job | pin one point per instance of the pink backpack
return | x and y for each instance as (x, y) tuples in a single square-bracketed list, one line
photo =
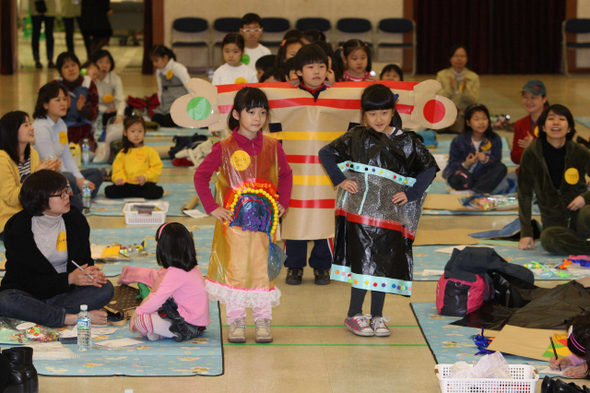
[(458, 297)]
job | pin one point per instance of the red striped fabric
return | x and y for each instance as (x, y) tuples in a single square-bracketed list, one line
[(377, 222), (313, 203), (302, 159)]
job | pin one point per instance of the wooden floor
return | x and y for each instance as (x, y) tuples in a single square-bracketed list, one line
[(303, 358)]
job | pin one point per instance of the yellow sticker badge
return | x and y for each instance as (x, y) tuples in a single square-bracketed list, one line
[(108, 98), (169, 74), (487, 146), (63, 137), (240, 160), (62, 242), (240, 80), (572, 176), (536, 131)]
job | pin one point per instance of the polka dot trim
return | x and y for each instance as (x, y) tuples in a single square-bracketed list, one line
[(362, 168)]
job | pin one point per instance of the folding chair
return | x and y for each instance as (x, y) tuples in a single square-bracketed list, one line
[(274, 30), (190, 43), (572, 27), (390, 39), (221, 27), (349, 28), (320, 24)]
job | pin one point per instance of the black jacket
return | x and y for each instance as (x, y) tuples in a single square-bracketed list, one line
[(28, 270)]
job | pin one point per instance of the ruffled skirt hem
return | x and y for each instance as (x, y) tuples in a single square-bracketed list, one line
[(260, 298)]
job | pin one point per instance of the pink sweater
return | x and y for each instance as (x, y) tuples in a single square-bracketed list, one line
[(188, 291), (253, 148)]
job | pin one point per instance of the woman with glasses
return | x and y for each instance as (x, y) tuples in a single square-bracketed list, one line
[(17, 161), (44, 242), (460, 84)]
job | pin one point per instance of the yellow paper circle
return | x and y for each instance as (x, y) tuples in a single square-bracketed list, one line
[(240, 160), (62, 242), (240, 80), (63, 137), (108, 98), (572, 176), (536, 131), (487, 146), (169, 74)]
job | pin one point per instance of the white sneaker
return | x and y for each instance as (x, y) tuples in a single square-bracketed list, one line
[(359, 325), (263, 334), (379, 326), (237, 331)]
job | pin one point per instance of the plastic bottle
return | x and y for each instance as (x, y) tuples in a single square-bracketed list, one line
[(84, 328), (86, 196), (210, 74), (85, 151)]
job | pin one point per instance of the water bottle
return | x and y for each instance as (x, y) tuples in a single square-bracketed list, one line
[(210, 74), (83, 328), (85, 151), (86, 196)]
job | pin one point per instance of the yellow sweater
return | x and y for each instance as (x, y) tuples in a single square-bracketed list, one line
[(10, 185), (139, 161)]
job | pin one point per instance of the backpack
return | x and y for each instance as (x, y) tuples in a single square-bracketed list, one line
[(458, 298)]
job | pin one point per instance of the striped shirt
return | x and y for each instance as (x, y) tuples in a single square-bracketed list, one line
[(24, 169)]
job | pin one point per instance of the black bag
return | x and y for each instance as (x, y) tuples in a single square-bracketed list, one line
[(40, 6), (185, 142)]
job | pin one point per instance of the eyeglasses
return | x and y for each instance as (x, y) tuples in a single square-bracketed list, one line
[(63, 195), (248, 31)]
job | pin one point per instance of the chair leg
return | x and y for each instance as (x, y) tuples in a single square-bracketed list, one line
[(564, 61)]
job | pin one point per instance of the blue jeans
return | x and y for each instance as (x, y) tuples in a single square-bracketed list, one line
[(18, 304), (320, 258), (92, 174)]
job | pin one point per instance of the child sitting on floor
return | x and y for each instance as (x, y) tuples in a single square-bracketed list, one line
[(136, 168), (171, 77), (177, 306)]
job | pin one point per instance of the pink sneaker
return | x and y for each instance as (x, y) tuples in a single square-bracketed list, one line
[(359, 325), (379, 327)]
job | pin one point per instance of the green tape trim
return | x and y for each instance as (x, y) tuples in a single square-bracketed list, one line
[(328, 345)]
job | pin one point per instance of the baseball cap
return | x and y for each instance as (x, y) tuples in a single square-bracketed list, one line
[(535, 87)]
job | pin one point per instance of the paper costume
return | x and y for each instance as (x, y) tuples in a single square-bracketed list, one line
[(304, 126)]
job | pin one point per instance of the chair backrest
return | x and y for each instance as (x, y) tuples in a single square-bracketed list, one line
[(577, 26), (274, 30), (190, 30), (349, 28), (391, 30), (222, 26), (321, 24)]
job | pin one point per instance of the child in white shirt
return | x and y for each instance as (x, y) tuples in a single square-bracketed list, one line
[(233, 72), (251, 29)]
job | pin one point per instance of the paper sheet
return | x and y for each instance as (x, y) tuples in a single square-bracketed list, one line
[(449, 250), (432, 272), (195, 213), (95, 332), (549, 370), (122, 342), (107, 202)]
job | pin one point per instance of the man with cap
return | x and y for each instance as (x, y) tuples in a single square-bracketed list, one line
[(526, 130)]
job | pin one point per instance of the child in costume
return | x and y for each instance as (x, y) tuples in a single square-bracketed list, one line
[(233, 71), (251, 169), (177, 306), (382, 173), (475, 156), (171, 77), (136, 168), (311, 63), (353, 60)]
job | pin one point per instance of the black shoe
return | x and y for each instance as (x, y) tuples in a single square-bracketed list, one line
[(322, 277), (547, 384), (563, 387), (294, 276), (18, 376), (38, 65), (50, 64)]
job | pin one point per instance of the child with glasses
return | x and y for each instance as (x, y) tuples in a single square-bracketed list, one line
[(251, 29)]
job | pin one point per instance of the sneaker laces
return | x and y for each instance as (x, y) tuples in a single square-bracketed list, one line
[(239, 323), (379, 322), (361, 320), (263, 322)]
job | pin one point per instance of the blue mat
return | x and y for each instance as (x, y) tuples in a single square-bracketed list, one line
[(425, 257), (445, 144), (176, 194), (202, 235), (585, 121), (450, 344)]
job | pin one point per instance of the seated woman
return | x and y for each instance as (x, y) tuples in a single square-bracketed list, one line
[(51, 140), (555, 168), (526, 130), (41, 283), (17, 161), (459, 84)]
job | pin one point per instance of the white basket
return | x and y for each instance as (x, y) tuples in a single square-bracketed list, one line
[(525, 380), (154, 218)]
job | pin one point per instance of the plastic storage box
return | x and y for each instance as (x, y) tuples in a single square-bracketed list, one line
[(524, 381), (133, 217)]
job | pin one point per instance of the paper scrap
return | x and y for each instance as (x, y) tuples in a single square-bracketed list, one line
[(195, 213), (449, 250), (95, 332), (432, 272), (549, 370), (134, 199), (122, 342), (107, 202), (111, 252)]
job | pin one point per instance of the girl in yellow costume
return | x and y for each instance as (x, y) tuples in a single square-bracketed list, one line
[(251, 169)]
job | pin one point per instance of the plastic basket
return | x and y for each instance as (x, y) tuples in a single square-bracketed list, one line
[(153, 218), (525, 381)]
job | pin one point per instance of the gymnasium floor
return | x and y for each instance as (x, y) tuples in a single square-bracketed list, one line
[(312, 350)]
